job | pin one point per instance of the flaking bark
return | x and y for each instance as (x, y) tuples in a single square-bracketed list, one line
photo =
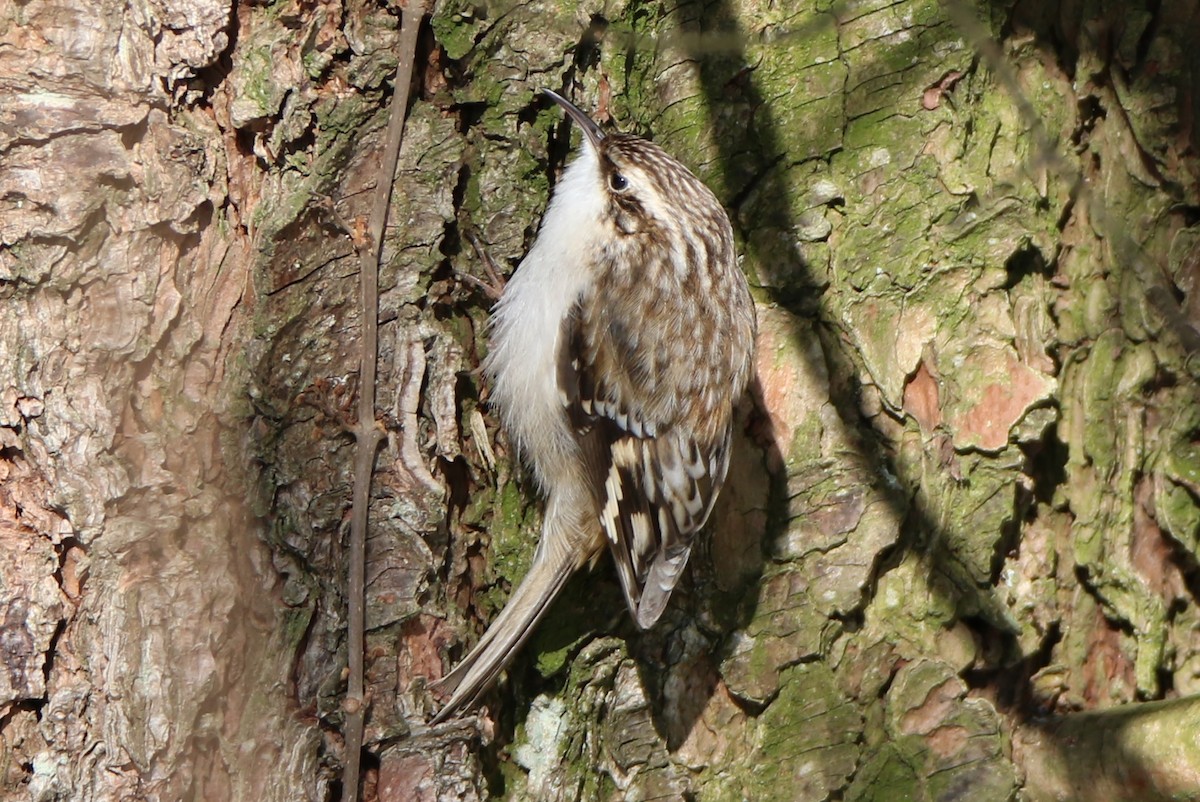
[(964, 502)]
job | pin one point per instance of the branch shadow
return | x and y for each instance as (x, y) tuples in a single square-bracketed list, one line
[(753, 157)]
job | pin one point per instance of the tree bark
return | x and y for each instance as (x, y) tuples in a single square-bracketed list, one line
[(959, 545)]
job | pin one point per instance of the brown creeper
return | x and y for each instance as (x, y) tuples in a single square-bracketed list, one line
[(618, 352)]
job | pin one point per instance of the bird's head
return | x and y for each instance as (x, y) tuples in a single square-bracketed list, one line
[(643, 186)]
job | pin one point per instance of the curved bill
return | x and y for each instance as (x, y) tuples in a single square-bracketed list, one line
[(589, 128)]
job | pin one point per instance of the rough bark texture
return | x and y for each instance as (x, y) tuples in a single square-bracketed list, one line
[(964, 506)]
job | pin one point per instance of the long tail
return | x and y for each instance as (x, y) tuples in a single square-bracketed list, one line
[(554, 561)]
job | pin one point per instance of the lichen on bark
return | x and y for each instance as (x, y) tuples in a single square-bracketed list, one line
[(964, 493)]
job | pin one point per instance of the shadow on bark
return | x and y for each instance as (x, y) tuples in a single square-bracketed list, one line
[(761, 198), (700, 644)]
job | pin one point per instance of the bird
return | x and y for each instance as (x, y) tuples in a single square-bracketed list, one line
[(618, 353)]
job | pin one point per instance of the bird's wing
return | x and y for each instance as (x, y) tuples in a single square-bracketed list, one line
[(656, 479)]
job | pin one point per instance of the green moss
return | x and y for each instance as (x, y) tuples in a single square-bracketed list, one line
[(259, 84), (888, 775), (550, 661), (808, 739), (512, 777), (514, 536), (315, 63), (807, 67), (341, 123), (913, 607), (1178, 511), (340, 127), (455, 26), (295, 625)]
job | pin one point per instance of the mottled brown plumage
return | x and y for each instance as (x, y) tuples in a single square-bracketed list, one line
[(619, 351)]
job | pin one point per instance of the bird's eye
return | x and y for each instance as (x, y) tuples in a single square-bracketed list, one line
[(617, 182)]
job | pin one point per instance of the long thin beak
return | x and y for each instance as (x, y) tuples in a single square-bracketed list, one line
[(589, 128)]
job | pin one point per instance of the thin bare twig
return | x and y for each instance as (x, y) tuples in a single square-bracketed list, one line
[(367, 434), (494, 286)]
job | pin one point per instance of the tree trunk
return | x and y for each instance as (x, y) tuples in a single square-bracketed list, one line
[(965, 497)]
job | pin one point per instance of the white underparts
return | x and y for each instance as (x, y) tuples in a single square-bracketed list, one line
[(527, 323)]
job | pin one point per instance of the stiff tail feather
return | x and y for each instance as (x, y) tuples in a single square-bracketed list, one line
[(552, 567)]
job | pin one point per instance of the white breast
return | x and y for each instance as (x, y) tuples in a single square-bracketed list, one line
[(527, 321)]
